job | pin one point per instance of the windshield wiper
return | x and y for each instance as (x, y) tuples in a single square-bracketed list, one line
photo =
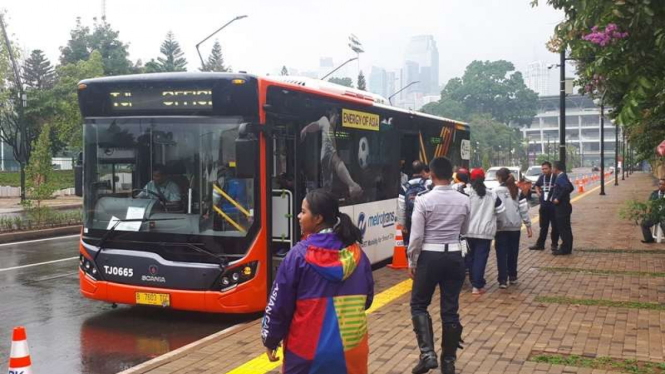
[(109, 233), (223, 259)]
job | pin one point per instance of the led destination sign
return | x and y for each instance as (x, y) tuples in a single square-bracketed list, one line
[(161, 99)]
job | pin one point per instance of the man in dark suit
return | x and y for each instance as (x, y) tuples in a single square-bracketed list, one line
[(562, 208), (647, 224)]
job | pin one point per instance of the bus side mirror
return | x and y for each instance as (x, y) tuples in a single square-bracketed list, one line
[(246, 150), (78, 175)]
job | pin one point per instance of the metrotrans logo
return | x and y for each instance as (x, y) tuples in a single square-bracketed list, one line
[(383, 219)]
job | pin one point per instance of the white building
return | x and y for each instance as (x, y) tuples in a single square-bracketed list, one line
[(582, 130)]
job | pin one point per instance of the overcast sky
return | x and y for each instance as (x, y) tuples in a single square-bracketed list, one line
[(297, 33)]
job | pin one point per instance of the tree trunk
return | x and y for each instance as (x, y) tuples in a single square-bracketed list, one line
[(22, 182)]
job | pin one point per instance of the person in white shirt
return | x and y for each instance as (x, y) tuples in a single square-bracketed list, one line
[(161, 187)]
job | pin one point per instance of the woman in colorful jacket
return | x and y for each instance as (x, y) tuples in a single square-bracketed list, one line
[(509, 226), (319, 297)]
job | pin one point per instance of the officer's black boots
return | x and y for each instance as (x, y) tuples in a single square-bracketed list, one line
[(452, 336), (422, 326)]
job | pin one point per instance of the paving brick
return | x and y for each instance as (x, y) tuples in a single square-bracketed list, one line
[(503, 328)]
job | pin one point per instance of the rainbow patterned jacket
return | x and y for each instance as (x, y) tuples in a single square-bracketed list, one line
[(317, 308)]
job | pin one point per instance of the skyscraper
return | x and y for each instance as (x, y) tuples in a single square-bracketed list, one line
[(536, 78), (378, 81), (422, 64)]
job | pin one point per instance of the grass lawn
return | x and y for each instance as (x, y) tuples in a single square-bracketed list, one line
[(63, 179)]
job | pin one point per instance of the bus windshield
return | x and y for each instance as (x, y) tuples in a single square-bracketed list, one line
[(177, 171)]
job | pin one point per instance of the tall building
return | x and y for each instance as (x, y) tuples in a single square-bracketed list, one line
[(378, 81), (582, 130), (422, 64), (536, 78)]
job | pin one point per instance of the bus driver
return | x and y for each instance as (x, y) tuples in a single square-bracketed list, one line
[(329, 159), (160, 186)]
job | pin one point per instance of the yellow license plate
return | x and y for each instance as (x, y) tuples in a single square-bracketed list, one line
[(159, 299)]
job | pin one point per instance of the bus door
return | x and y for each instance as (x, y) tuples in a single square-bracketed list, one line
[(409, 151), (284, 195)]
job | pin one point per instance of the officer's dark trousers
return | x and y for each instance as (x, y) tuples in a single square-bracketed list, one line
[(445, 269), (547, 218), (563, 211)]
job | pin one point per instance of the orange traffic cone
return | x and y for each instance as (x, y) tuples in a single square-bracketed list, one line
[(19, 359), (399, 251), (580, 188)]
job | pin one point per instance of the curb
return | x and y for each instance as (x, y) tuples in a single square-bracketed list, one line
[(39, 234), (185, 350)]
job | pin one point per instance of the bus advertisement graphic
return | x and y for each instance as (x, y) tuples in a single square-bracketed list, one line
[(376, 221)]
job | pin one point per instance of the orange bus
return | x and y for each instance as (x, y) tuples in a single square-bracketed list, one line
[(192, 182)]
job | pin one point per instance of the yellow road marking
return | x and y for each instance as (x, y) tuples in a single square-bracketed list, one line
[(261, 365)]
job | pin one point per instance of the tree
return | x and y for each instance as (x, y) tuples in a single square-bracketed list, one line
[(346, 81), (284, 71), (40, 175), (446, 107), (362, 84), (102, 39), (172, 60), (495, 140), (619, 47), (67, 120), (37, 71), (491, 87), (215, 60)]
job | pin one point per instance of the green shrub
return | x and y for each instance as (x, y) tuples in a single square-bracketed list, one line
[(61, 179)]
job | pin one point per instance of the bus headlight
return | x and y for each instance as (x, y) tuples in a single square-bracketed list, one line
[(236, 275), (88, 267)]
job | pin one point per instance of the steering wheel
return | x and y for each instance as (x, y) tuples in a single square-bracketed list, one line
[(161, 199)]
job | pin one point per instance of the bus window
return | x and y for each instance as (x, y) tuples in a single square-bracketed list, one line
[(180, 174)]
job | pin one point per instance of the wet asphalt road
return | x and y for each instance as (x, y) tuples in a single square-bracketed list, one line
[(70, 334)]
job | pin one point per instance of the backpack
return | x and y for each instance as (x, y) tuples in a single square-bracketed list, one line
[(411, 191)]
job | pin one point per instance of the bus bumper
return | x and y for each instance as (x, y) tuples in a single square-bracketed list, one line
[(242, 299)]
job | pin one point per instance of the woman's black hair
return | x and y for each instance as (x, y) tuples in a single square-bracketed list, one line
[(478, 185), (504, 176), (324, 203)]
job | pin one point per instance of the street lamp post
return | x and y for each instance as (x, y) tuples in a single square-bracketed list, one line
[(562, 107), (623, 155), (400, 90), (203, 65), (616, 154), (601, 101), (339, 67)]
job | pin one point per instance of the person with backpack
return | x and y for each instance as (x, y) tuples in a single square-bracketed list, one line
[(509, 225), (322, 289), (485, 208), (407, 197)]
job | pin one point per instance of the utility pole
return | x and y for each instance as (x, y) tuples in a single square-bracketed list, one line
[(23, 141)]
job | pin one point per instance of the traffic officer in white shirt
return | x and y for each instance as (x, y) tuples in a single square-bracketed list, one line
[(439, 217)]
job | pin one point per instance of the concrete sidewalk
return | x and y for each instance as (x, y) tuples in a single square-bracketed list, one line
[(605, 302)]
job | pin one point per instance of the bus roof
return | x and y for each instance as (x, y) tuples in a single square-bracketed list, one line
[(347, 93), (173, 77), (300, 83)]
